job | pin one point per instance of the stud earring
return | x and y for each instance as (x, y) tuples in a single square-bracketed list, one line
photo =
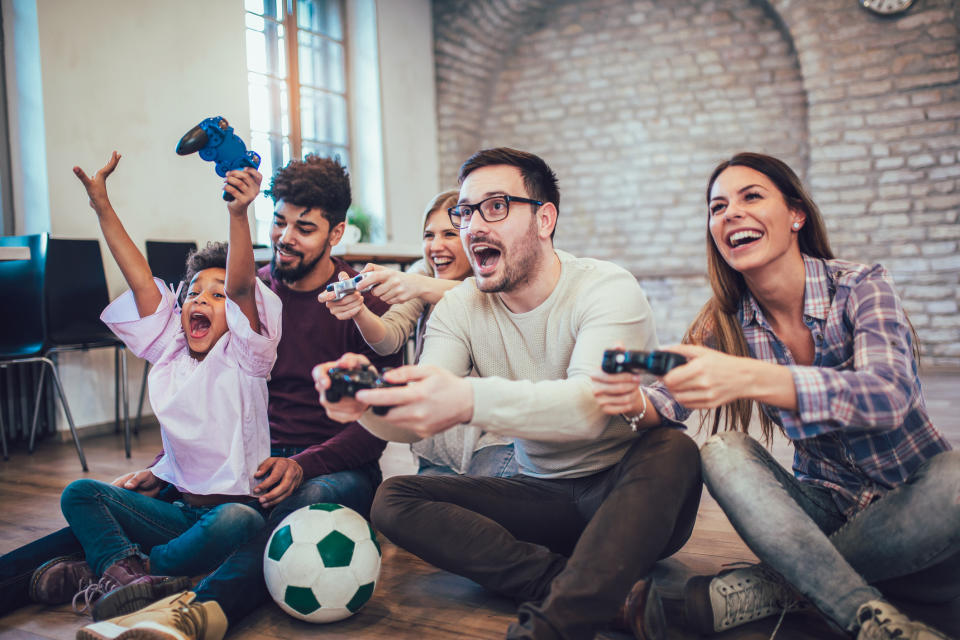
[(796, 225)]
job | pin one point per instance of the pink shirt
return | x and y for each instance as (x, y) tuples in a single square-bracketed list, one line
[(213, 412)]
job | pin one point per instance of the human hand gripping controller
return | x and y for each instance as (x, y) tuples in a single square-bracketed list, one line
[(656, 362), (346, 382), (215, 140), (344, 287)]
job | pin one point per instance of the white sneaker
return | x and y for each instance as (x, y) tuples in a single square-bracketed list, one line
[(737, 596), (880, 620)]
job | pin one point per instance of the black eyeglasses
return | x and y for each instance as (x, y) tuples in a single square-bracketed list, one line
[(492, 209)]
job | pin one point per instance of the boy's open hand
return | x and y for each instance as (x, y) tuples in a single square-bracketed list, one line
[(97, 185), (243, 185)]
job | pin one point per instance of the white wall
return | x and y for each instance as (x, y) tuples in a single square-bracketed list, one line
[(405, 35), (135, 75)]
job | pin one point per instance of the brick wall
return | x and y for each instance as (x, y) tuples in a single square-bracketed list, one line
[(633, 103)]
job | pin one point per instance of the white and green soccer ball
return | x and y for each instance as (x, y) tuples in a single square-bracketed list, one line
[(322, 563)]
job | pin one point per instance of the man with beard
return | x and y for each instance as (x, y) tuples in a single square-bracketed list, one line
[(599, 498), (313, 458)]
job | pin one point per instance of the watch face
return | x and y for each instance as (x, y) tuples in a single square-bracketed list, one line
[(886, 7)]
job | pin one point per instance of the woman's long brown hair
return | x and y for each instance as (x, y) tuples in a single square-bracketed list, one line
[(717, 325)]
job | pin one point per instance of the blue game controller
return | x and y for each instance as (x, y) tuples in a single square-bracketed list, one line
[(215, 140)]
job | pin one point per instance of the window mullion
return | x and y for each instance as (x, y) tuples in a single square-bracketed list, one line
[(293, 79)]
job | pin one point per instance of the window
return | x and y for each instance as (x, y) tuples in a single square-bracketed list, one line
[(296, 64)]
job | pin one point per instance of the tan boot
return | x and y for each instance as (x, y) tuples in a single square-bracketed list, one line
[(176, 617)]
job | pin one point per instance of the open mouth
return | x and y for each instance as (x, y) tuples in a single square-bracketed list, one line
[(486, 258), (743, 238), (440, 263), (199, 325)]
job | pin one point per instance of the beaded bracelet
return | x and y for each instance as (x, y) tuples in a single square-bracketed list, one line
[(634, 421)]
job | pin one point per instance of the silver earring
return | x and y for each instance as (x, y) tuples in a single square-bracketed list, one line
[(796, 225)]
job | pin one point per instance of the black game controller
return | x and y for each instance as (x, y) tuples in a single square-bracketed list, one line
[(346, 382), (656, 362)]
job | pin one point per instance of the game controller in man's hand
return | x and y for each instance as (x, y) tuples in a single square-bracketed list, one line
[(346, 382), (215, 140), (345, 287), (656, 362)]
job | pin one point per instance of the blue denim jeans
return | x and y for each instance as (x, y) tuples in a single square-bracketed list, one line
[(905, 544), (237, 585), (113, 523), (495, 461), (17, 566)]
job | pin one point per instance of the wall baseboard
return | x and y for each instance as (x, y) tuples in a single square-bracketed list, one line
[(103, 428)]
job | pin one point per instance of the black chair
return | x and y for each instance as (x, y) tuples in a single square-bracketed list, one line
[(75, 295), (23, 326), (168, 261)]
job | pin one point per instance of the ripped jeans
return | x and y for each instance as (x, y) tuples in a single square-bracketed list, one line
[(906, 544)]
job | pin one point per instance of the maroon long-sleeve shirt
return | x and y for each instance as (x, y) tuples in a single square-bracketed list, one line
[(311, 334)]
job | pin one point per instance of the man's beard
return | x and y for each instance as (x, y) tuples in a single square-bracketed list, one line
[(296, 272), (518, 270)]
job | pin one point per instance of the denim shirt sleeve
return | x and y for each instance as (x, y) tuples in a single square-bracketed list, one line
[(871, 384)]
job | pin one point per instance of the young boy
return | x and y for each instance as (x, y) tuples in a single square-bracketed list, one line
[(208, 388)]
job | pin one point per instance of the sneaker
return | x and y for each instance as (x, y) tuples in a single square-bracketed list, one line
[(124, 587), (879, 620), (643, 612), (737, 596), (55, 581), (175, 617)]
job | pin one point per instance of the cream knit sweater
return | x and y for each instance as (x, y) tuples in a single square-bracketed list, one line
[(534, 367)]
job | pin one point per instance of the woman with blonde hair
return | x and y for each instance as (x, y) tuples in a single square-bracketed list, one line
[(413, 294), (825, 349)]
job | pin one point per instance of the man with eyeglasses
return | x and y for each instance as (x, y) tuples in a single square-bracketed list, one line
[(596, 502)]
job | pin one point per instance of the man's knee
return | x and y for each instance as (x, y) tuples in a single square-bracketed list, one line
[(388, 503)]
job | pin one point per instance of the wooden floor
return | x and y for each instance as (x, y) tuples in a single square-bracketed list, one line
[(413, 600)]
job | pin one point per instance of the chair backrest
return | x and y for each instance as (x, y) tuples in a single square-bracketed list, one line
[(168, 260), (76, 292), (21, 290)]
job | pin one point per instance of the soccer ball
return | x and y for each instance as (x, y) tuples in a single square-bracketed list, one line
[(322, 563)]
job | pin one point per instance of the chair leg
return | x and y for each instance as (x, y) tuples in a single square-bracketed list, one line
[(36, 409), (3, 435), (125, 401), (66, 410), (116, 389), (143, 390)]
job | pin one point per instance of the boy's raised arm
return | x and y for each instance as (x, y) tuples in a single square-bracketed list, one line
[(241, 285), (132, 264)]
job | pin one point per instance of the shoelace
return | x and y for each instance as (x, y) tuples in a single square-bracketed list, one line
[(91, 591), (887, 625), (750, 598), (191, 619)]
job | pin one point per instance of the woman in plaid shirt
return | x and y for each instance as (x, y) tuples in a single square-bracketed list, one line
[(826, 350)]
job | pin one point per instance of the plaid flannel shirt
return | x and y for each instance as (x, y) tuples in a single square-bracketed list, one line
[(861, 426)]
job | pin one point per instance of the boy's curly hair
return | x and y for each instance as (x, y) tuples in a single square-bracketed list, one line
[(314, 182), (212, 255)]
